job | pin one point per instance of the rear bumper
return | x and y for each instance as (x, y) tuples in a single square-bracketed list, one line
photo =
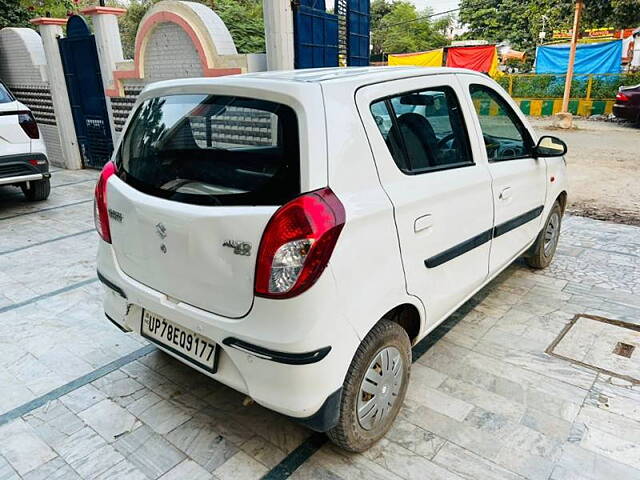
[(18, 169), (627, 112), (300, 378)]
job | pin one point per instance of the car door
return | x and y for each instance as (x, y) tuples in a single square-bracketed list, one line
[(438, 183), (518, 178)]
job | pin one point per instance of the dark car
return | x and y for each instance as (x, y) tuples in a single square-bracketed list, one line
[(627, 104)]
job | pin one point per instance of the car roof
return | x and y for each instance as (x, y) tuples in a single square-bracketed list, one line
[(349, 77)]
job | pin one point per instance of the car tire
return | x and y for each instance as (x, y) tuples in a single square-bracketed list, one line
[(545, 245), (384, 354), (38, 190)]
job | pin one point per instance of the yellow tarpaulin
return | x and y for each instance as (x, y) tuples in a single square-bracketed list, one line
[(493, 71), (432, 58)]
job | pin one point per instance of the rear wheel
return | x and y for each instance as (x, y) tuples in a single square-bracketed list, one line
[(374, 388), (36, 191), (545, 247)]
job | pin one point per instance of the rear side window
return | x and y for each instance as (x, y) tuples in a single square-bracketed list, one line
[(424, 130), (212, 150), (5, 94)]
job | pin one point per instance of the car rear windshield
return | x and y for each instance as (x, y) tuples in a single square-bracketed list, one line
[(212, 150)]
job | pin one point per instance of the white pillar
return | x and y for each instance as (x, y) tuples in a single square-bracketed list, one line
[(278, 26), (109, 46), (50, 30)]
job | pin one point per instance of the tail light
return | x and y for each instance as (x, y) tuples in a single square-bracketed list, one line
[(28, 124), (100, 213), (297, 244), (622, 97)]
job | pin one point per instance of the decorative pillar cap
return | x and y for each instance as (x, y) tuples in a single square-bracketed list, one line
[(97, 10), (48, 21)]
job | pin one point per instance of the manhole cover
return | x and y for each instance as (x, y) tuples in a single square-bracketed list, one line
[(608, 346)]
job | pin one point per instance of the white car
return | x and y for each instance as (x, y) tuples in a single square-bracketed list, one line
[(23, 155), (293, 234)]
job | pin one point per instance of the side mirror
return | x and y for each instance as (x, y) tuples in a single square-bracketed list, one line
[(549, 146)]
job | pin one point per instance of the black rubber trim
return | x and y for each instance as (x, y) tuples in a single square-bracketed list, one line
[(326, 417), (275, 356), (458, 250), (120, 327), (517, 221), (23, 160), (482, 238), (111, 285)]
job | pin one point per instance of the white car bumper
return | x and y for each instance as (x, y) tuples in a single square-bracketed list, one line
[(291, 363)]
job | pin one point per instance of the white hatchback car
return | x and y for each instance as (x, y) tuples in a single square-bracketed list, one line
[(23, 155), (292, 234)]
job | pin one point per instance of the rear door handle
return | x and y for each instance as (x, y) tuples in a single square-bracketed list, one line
[(423, 223), (505, 194)]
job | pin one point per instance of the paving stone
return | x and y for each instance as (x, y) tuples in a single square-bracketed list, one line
[(56, 430), (187, 469), (414, 438), (97, 462), (148, 451), (124, 470), (47, 470), (546, 424), (240, 467), (108, 419), (482, 443), (6, 472), (349, 466), (79, 445), (622, 399), (576, 462), (263, 451), (117, 387), (164, 416), (22, 448), (311, 471), (438, 401), (142, 403), (201, 442), (469, 465), (405, 463)]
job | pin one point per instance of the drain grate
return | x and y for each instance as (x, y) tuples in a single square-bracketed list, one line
[(624, 349), (602, 344)]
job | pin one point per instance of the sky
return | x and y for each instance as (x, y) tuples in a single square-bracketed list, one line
[(436, 5)]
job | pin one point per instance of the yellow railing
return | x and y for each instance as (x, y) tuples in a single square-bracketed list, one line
[(583, 84)]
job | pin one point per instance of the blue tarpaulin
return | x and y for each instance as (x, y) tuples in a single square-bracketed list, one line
[(603, 57)]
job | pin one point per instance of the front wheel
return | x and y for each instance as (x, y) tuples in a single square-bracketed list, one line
[(545, 246), (374, 388)]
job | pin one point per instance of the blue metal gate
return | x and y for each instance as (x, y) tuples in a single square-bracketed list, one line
[(86, 93), (315, 35), (358, 19)]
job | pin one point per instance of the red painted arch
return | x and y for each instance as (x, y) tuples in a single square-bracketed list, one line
[(141, 37)]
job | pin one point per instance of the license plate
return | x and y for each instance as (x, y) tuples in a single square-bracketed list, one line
[(180, 340)]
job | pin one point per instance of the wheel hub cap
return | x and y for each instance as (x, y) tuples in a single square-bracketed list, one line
[(379, 388), (551, 233)]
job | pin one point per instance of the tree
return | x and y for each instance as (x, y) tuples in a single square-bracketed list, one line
[(243, 18), (398, 27), (49, 8), (520, 21), (12, 14)]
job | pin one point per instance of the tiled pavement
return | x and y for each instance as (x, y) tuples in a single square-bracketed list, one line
[(485, 401)]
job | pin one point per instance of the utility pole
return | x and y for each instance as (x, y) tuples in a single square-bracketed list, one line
[(564, 118)]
